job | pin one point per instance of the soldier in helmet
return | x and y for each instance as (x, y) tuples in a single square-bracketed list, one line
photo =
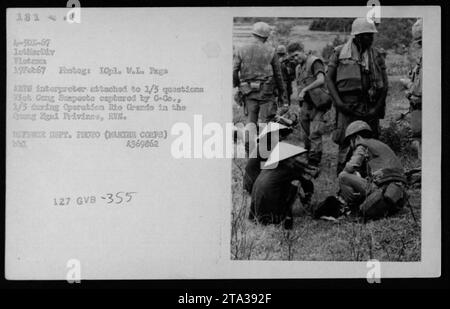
[(373, 179), (257, 73), (357, 81)]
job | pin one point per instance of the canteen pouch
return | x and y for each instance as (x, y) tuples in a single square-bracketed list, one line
[(245, 88), (321, 98), (268, 88)]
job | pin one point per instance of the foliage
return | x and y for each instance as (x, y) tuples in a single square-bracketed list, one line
[(327, 51), (393, 33), (332, 24)]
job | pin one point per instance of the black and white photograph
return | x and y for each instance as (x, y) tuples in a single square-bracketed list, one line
[(226, 144), (343, 99)]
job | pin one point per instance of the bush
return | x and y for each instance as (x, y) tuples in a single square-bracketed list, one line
[(327, 51), (283, 28), (393, 33), (332, 24), (397, 136)]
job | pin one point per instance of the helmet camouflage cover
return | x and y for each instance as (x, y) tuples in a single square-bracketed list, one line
[(261, 29), (355, 127), (363, 25)]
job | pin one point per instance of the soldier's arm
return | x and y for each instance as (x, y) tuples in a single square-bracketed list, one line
[(330, 79), (236, 67), (318, 71), (357, 159)]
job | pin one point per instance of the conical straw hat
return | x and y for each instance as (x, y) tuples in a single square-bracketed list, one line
[(281, 152), (271, 127)]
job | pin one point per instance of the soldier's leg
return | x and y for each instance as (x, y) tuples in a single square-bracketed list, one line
[(253, 108), (267, 111), (305, 124), (316, 132), (352, 188)]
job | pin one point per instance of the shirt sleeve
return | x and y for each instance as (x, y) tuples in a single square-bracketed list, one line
[(357, 159), (318, 67)]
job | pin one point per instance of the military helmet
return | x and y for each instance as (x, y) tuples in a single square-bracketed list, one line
[(261, 29), (363, 25), (417, 30), (281, 49), (356, 127)]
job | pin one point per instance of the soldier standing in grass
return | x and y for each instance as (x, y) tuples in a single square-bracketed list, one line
[(358, 83), (314, 101), (257, 73)]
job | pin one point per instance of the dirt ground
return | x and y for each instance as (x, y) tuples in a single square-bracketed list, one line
[(397, 238)]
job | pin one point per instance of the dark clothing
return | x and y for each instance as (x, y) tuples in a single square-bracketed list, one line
[(273, 194), (252, 171)]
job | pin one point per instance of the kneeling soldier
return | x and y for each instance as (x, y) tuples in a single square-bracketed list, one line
[(373, 179)]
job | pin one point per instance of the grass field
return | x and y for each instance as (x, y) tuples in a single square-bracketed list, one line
[(397, 238)]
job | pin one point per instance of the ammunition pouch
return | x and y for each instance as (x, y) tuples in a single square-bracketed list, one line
[(321, 98), (245, 88), (266, 87)]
